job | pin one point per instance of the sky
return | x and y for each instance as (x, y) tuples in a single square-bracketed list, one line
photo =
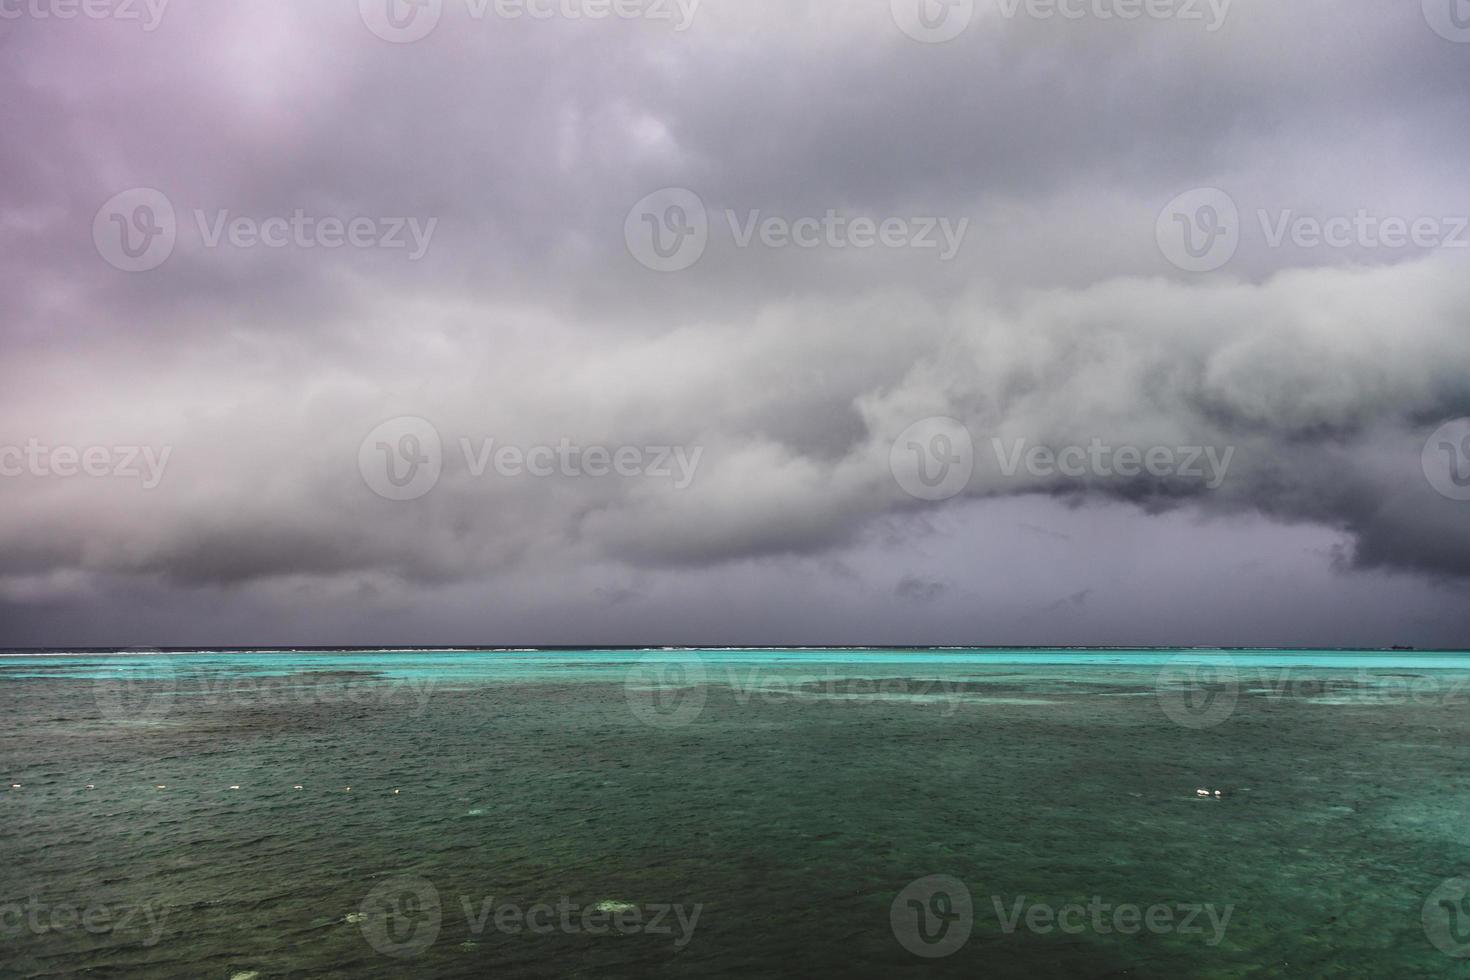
[(516, 322)]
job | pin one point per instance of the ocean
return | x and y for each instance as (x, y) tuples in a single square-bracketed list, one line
[(741, 813)]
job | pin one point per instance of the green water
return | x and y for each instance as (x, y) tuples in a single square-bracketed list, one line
[(735, 813)]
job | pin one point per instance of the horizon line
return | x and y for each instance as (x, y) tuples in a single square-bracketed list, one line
[(572, 648)]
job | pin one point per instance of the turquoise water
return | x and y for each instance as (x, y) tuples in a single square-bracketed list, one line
[(805, 813)]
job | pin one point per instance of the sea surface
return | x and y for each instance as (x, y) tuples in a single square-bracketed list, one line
[(735, 813)]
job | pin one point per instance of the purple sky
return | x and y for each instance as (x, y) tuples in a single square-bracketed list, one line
[(750, 255)]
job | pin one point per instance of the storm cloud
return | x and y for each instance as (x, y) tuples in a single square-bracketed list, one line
[(363, 230)]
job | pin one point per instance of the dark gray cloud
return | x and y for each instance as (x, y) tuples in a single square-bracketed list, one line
[(1059, 322)]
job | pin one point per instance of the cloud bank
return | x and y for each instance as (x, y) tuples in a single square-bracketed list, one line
[(261, 364)]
